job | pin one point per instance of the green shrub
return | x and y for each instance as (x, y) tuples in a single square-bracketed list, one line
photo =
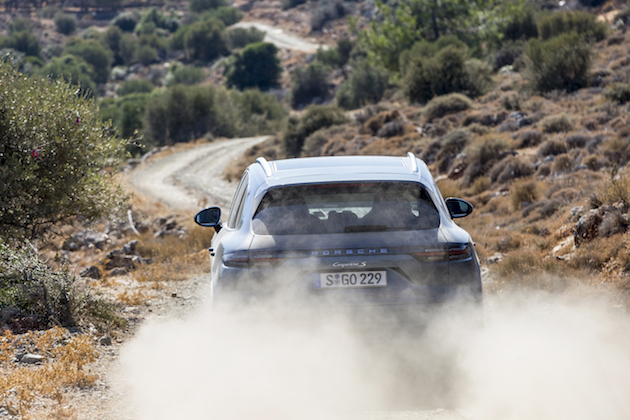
[(23, 41), (366, 85), (19, 25), (135, 86), (93, 53), (48, 12), (127, 49), (325, 11), (29, 287), (158, 18), (181, 113), (65, 24), (73, 70), (241, 37), (446, 104), (257, 65), (204, 41), (177, 42), (521, 27), (126, 21), (227, 15), (446, 72), (619, 93), (202, 5), (561, 63), (315, 118), (308, 84), (54, 151), (146, 54), (582, 23), (186, 75)]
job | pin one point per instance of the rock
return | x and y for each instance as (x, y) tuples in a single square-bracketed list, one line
[(576, 213), (586, 228), (130, 247), (91, 272), (495, 258), (105, 340), (118, 271), (31, 358)]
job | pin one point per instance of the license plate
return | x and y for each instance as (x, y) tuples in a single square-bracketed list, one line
[(357, 279)]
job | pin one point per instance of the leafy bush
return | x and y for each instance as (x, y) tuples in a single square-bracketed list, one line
[(366, 85), (481, 156), (30, 288), (552, 148), (95, 54), (257, 65), (507, 55), (561, 63), (315, 118), (582, 23), (523, 192), (446, 72), (521, 27), (558, 123), (126, 21), (240, 37), (227, 15), (135, 86), (186, 75), (181, 113), (73, 70), (446, 104), (126, 114), (146, 54), (54, 150), (619, 93), (202, 5), (325, 11), (204, 41), (309, 84), (23, 41), (65, 23), (156, 17)]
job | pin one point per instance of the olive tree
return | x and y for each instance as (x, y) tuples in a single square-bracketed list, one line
[(56, 156)]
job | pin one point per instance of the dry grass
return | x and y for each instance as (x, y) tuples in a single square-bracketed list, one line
[(65, 366)]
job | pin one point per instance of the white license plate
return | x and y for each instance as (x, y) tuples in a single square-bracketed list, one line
[(356, 279)]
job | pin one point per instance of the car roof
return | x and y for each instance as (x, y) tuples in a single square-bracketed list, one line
[(342, 168)]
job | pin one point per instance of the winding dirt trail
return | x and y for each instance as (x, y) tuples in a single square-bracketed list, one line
[(187, 179)]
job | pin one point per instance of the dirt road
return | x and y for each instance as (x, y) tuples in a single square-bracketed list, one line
[(280, 38), (188, 179)]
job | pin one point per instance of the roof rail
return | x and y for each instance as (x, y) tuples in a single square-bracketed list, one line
[(265, 165), (413, 162)]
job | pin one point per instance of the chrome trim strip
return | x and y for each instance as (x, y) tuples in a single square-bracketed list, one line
[(413, 162)]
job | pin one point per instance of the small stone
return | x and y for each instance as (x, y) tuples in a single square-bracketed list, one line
[(31, 358), (105, 340), (91, 272)]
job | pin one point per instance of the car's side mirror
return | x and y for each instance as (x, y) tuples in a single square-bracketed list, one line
[(210, 217), (458, 207)]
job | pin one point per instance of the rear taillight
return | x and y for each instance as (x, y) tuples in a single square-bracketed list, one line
[(453, 253), (242, 259), (459, 252), (237, 259)]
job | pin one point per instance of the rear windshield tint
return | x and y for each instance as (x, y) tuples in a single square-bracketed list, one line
[(345, 208)]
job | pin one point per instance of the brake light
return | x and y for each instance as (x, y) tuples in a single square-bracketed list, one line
[(459, 252), (453, 253), (237, 259), (242, 259)]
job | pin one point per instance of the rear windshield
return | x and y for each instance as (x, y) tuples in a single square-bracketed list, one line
[(344, 208)]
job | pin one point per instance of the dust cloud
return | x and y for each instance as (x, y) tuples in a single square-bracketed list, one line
[(536, 356)]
